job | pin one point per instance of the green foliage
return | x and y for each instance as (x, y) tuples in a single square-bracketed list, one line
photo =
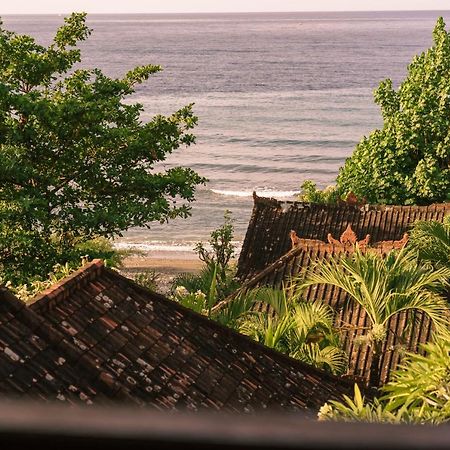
[(222, 248), (418, 393), (431, 239), (300, 329), (217, 271), (77, 162), (148, 279), (100, 248), (196, 301), (200, 301), (27, 291), (208, 283), (385, 286), (408, 160), (311, 194), (357, 410), (235, 311), (303, 330), (194, 282)]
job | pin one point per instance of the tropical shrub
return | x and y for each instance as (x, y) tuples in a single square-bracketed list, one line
[(385, 286), (303, 330), (27, 291), (222, 248), (431, 239), (148, 279), (408, 160), (419, 392), (217, 264), (196, 301), (311, 194)]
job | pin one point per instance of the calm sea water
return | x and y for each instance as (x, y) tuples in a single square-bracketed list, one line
[(281, 97)]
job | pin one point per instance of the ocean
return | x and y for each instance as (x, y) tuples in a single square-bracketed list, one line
[(281, 97)]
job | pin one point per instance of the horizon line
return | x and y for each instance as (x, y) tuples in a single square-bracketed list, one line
[(228, 12)]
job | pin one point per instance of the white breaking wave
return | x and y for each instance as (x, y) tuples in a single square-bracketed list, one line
[(259, 193), (158, 246), (155, 246)]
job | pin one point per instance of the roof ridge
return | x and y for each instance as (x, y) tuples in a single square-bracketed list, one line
[(62, 289), (271, 201), (42, 327)]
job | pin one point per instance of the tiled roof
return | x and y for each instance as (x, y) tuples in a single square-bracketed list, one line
[(267, 237), (37, 361), (166, 356), (350, 318)]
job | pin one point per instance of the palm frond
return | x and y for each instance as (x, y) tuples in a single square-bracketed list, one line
[(312, 320), (236, 310), (277, 299), (330, 358), (268, 330), (432, 240)]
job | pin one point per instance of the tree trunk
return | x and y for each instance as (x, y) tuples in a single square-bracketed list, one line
[(375, 369)]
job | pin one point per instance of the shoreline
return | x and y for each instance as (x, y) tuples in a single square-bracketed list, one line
[(165, 267), (170, 265)]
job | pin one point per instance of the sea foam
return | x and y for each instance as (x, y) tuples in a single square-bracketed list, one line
[(259, 192)]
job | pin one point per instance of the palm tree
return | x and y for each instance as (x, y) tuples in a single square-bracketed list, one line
[(384, 287), (303, 330), (432, 240)]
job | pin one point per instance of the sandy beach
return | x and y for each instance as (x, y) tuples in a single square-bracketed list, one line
[(166, 265)]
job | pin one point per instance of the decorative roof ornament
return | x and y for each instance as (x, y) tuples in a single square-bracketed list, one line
[(295, 240), (348, 238), (402, 242), (397, 245)]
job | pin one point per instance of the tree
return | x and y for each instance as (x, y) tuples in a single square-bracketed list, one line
[(385, 287), (408, 160), (77, 162), (222, 249)]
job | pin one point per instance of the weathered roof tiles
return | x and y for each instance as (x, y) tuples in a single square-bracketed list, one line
[(37, 362), (133, 344), (268, 233)]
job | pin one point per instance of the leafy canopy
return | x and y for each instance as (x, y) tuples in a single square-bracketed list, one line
[(77, 162), (408, 160)]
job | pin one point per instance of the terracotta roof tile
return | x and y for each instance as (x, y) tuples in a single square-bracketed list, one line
[(167, 356), (35, 360)]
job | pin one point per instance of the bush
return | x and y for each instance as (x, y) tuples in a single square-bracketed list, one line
[(311, 194), (100, 248), (148, 279), (216, 280), (418, 393), (222, 248)]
